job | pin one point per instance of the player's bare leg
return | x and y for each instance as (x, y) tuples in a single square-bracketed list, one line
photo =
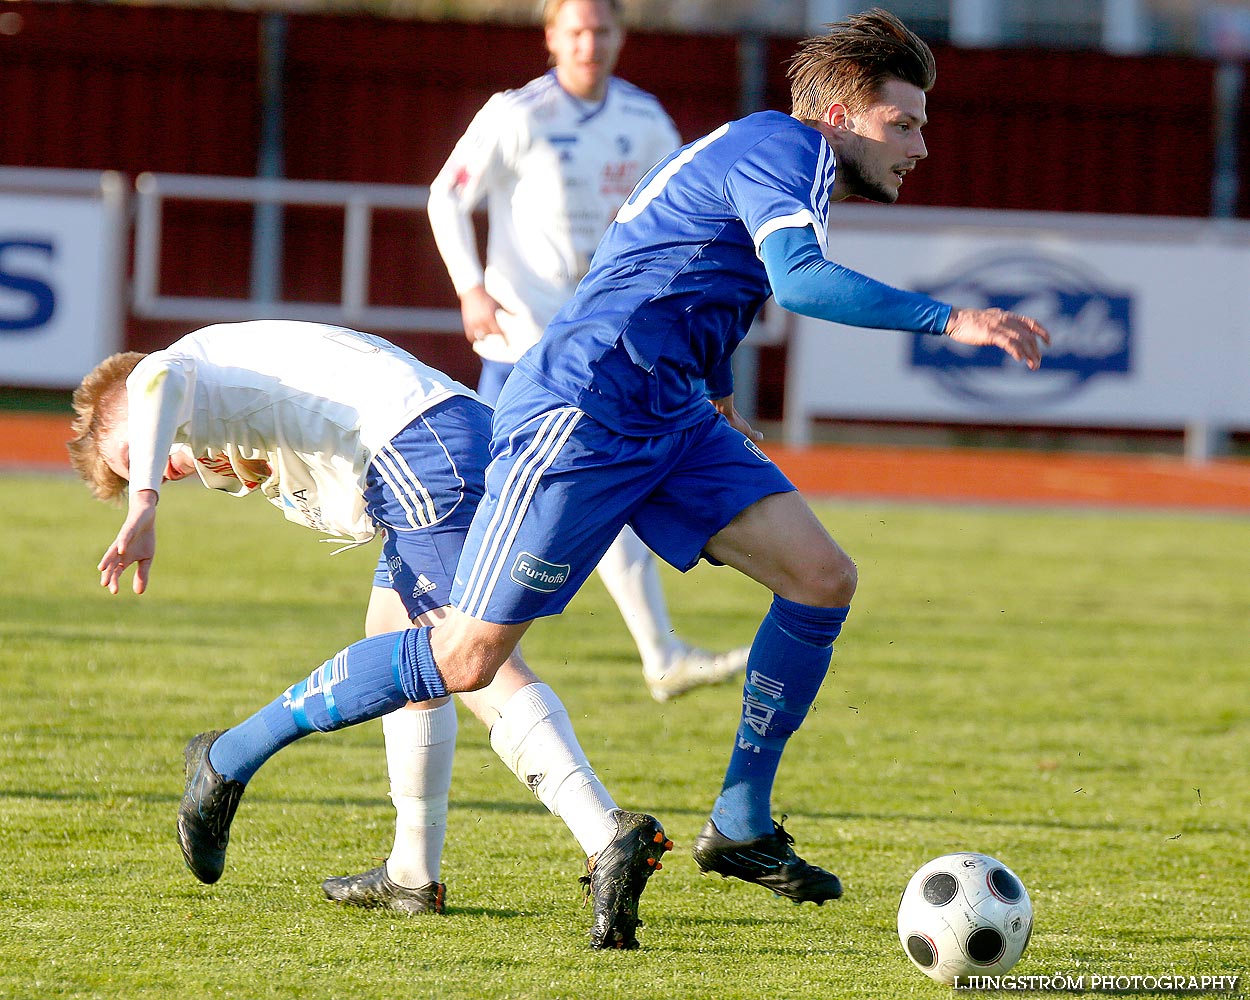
[(780, 543)]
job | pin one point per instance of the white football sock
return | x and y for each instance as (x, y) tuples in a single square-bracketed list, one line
[(629, 572), (420, 746), (534, 737)]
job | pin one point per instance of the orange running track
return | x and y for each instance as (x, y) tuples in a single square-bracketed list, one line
[(37, 442)]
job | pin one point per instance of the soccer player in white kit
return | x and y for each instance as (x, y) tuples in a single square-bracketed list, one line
[(553, 161), (353, 437)]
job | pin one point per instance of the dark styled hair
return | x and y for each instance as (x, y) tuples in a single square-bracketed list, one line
[(849, 63)]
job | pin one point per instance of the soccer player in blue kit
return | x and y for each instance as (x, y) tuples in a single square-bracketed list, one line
[(623, 414)]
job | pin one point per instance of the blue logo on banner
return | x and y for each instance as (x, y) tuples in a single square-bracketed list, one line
[(26, 300), (1091, 328)]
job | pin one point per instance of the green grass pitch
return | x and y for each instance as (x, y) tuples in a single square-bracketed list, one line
[(1065, 690)]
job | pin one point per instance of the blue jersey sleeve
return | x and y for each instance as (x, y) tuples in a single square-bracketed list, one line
[(804, 282), (782, 182)]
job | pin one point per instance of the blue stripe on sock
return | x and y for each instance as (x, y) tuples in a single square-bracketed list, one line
[(774, 743), (327, 683), (296, 698), (397, 669), (358, 684), (765, 720)]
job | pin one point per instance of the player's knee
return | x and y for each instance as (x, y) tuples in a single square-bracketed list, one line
[(467, 659), (469, 670), (837, 582)]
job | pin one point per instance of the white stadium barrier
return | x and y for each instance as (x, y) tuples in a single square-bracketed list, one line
[(1150, 318)]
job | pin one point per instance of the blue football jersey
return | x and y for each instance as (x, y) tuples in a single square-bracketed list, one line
[(677, 281)]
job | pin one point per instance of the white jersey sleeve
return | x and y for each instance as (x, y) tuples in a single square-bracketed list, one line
[(476, 166), (158, 392)]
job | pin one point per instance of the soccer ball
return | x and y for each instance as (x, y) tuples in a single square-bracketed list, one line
[(964, 915)]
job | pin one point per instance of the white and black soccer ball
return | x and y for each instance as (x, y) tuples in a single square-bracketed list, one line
[(964, 915)]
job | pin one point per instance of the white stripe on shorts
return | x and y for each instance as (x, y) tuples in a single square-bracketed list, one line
[(412, 495), (514, 499)]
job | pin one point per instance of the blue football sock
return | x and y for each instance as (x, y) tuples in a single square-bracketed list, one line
[(366, 680), (789, 659)]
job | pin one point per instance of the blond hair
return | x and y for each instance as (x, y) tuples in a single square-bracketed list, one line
[(96, 404), (552, 7), (849, 64)]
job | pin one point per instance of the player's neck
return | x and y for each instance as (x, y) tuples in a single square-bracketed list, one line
[(588, 93)]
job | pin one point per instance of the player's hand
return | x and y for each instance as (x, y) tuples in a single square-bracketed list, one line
[(479, 313), (1020, 336), (134, 545), (725, 407)]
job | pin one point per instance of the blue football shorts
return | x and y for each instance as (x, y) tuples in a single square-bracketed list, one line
[(421, 490), (560, 487)]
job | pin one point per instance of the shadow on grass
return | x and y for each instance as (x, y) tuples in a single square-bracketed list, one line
[(110, 795), (490, 911), (700, 815)]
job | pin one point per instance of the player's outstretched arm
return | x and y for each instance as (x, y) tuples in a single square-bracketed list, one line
[(803, 281), (1020, 336), (135, 544)]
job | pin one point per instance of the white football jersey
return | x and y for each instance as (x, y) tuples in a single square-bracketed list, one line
[(294, 410), (553, 170)]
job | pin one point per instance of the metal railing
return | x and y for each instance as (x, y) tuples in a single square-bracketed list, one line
[(358, 202)]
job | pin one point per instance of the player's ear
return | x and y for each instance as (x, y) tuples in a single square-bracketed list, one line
[(837, 116)]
